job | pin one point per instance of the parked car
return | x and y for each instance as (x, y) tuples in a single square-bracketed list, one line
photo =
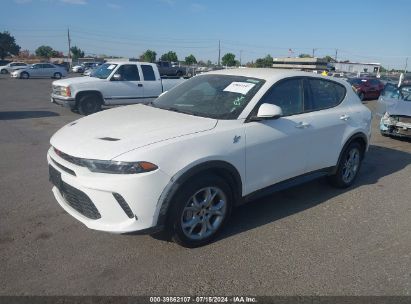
[(40, 70), (78, 68), (64, 65), (367, 88), (12, 66), (183, 162), (167, 69), (92, 68), (394, 105), (112, 83)]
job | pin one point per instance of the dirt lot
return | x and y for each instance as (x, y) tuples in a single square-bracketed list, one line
[(308, 240)]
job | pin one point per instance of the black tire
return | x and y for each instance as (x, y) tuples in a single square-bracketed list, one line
[(24, 75), (4, 71), (179, 73), (89, 104), (362, 96), (341, 179), (384, 134), (183, 198), (57, 75)]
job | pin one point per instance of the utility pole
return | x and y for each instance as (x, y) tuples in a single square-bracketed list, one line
[(314, 52), (336, 54), (219, 52), (241, 51), (406, 65), (69, 46)]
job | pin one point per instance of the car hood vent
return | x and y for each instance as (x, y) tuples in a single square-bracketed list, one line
[(109, 138)]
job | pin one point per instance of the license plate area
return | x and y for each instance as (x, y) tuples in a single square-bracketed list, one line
[(55, 178)]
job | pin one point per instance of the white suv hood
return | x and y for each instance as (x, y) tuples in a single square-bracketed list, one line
[(125, 129), (75, 80)]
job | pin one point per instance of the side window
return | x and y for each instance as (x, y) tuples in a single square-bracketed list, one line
[(148, 72), (48, 66), (324, 94), (129, 72), (288, 95)]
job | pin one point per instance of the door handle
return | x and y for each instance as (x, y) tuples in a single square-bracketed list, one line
[(344, 117), (302, 125), (140, 85)]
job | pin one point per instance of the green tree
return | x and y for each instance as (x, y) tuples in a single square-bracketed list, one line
[(229, 59), (170, 56), (76, 52), (8, 45), (45, 51), (266, 62), (305, 56), (148, 56), (328, 58), (190, 59)]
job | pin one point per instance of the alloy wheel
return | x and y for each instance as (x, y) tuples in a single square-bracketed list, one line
[(351, 165)]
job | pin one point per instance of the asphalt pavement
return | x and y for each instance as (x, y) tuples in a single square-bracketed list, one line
[(308, 240)]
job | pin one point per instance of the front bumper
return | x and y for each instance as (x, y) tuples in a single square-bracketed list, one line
[(399, 129), (141, 192), (67, 102)]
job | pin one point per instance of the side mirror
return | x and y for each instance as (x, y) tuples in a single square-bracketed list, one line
[(269, 111), (117, 77)]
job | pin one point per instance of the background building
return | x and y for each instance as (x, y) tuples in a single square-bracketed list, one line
[(305, 64), (357, 67)]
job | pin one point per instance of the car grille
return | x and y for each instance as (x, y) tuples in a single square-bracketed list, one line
[(79, 201), (75, 198)]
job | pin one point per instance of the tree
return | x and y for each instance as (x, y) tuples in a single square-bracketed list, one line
[(8, 45), (76, 52), (229, 59), (328, 58), (45, 51), (305, 56), (148, 56), (170, 56), (190, 60), (266, 62)]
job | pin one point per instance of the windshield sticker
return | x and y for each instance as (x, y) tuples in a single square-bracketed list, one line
[(111, 66), (238, 100), (239, 87)]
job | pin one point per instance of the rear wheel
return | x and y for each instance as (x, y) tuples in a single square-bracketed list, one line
[(200, 210), (348, 166), (57, 75), (362, 96), (24, 75), (4, 71), (89, 104), (179, 73)]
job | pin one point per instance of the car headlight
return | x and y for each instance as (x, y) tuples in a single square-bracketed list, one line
[(117, 167), (66, 91)]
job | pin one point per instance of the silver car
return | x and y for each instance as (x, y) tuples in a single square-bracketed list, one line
[(43, 70), (12, 66)]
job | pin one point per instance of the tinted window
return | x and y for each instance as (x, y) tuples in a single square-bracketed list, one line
[(128, 72), (148, 72), (288, 95), (47, 66), (324, 94)]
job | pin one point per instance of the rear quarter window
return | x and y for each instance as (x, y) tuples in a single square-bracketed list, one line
[(324, 94)]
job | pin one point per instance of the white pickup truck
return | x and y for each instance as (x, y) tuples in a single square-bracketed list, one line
[(113, 83)]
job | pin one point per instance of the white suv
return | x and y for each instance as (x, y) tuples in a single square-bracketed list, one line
[(181, 163)]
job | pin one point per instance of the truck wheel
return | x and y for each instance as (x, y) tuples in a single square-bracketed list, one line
[(200, 210), (89, 104)]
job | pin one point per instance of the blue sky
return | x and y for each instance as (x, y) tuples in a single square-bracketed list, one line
[(365, 31)]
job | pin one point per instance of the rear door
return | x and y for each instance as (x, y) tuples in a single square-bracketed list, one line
[(328, 118), (152, 85), (128, 89), (48, 70)]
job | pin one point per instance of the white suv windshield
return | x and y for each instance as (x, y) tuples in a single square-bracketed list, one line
[(214, 96)]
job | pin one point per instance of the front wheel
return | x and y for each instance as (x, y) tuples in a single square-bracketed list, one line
[(348, 166), (89, 104), (200, 210), (24, 75), (57, 75), (4, 71)]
